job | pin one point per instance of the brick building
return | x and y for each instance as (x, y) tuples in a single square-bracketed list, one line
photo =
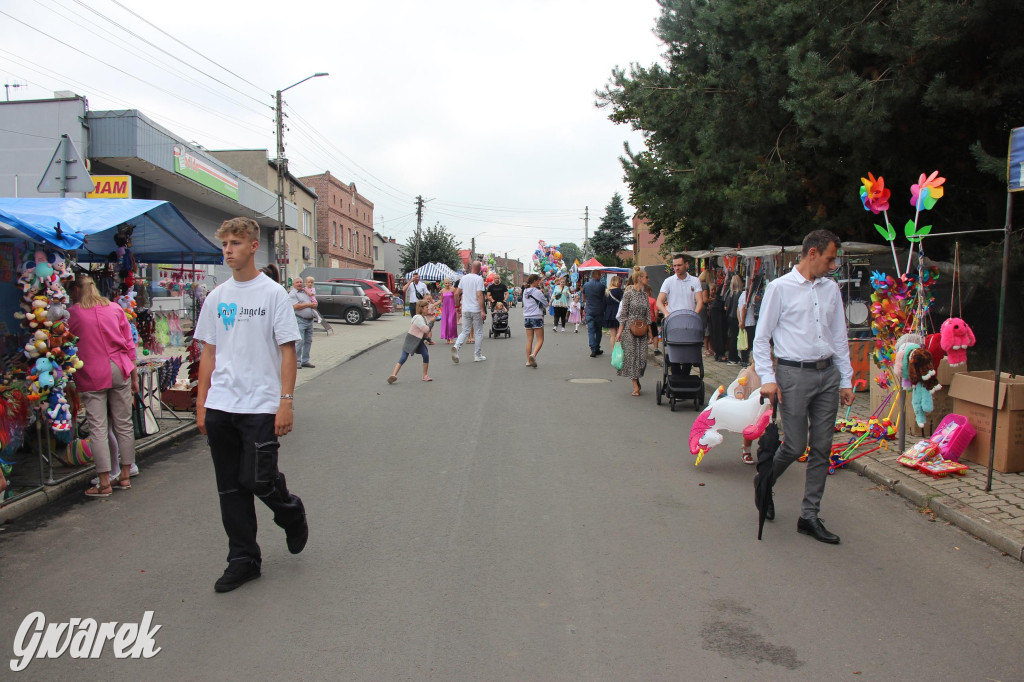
[(647, 249), (344, 221), (514, 266)]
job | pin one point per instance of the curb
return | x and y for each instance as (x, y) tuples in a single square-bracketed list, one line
[(993, 531), (52, 493)]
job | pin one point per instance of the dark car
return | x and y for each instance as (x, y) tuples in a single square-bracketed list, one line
[(379, 294), (344, 300)]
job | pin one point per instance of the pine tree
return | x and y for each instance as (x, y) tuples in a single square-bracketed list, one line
[(614, 233)]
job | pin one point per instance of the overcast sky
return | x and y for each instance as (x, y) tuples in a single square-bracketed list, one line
[(485, 107)]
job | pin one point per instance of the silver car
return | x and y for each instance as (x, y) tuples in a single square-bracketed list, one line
[(341, 300)]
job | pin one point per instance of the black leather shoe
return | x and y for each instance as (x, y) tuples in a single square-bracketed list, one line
[(769, 513), (309, 364), (297, 537), (816, 529), (600, 352), (593, 354), (237, 574)]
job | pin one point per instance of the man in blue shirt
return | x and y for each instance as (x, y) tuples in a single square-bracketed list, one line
[(593, 299)]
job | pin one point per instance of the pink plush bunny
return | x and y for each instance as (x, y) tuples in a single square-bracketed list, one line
[(956, 338)]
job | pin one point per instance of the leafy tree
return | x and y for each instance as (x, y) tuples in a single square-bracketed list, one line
[(437, 245), (570, 252), (614, 233), (766, 114)]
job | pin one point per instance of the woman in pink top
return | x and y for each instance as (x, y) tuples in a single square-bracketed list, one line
[(107, 379)]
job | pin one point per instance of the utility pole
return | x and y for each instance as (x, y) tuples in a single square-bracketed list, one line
[(472, 250), (280, 165), (586, 231), (419, 224), (282, 171)]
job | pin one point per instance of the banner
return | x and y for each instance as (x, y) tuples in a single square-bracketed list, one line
[(111, 187), (1015, 164), (207, 175)]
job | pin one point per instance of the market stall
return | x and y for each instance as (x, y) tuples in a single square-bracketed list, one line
[(42, 243)]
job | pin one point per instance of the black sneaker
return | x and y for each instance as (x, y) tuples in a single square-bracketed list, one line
[(237, 574), (297, 537)]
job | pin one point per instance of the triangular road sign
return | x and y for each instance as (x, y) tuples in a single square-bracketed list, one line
[(66, 171)]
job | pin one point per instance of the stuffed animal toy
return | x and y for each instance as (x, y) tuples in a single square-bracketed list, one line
[(749, 417), (934, 345), (957, 337), (919, 371), (43, 370), (59, 413)]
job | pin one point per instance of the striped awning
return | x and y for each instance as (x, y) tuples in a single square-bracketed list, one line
[(434, 272)]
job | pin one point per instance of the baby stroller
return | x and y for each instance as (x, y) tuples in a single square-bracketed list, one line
[(683, 332), (499, 324)]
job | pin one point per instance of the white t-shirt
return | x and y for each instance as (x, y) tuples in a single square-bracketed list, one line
[(471, 285), (247, 322), (416, 292), (682, 293)]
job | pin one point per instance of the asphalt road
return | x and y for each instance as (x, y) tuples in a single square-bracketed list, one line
[(502, 523)]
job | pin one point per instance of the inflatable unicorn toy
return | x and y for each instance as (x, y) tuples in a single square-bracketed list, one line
[(725, 412)]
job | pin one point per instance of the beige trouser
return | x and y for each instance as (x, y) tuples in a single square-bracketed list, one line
[(117, 400)]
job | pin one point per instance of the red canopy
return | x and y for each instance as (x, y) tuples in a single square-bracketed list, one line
[(592, 264)]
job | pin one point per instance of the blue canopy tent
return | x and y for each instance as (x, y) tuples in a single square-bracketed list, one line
[(434, 272), (162, 233)]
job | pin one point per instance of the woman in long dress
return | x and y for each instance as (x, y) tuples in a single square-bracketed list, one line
[(635, 306), (449, 323)]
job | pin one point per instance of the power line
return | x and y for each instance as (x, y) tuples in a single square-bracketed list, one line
[(127, 73), (182, 43), (120, 43), (169, 54)]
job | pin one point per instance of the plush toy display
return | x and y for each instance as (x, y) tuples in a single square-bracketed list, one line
[(956, 338), (724, 412), (918, 374)]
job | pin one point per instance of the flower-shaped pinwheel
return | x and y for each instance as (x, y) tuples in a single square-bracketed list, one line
[(926, 192), (874, 195)]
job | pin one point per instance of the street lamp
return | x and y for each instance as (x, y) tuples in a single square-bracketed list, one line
[(282, 171)]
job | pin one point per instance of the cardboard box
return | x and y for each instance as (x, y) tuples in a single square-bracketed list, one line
[(179, 399), (972, 397)]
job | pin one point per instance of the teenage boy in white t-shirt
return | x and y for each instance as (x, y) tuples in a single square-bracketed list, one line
[(246, 380)]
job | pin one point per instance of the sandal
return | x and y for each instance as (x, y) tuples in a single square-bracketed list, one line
[(427, 379), (97, 491), (747, 457), (392, 379), (121, 483)]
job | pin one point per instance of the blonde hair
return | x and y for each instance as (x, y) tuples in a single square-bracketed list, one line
[(736, 283), (239, 227), (614, 281), (88, 295)]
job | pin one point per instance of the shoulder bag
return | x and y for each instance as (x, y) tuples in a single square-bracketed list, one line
[(637, 327)]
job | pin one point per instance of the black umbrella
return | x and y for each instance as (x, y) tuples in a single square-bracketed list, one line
[(767, 445)]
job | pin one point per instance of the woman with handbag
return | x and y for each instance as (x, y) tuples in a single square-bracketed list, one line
[(612, 302), (107, 380), (534, 304), (634, 328), (560, 302)]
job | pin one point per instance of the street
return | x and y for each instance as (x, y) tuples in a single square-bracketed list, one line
[(505, 523)]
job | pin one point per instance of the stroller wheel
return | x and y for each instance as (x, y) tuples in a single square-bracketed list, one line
[(672, 404), (657, 392)]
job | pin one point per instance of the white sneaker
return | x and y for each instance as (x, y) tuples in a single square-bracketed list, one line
[(455, 354), (134, 471), (479, 358), (562, 329)]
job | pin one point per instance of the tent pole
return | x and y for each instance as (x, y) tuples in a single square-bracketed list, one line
[(999, 339)]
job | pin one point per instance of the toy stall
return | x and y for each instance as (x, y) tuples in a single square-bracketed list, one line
[(44, 243)]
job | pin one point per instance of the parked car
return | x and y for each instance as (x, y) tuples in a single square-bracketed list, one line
[(344, 300), (380, 295)]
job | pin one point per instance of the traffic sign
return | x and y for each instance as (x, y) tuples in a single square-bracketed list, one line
[(66, 171)]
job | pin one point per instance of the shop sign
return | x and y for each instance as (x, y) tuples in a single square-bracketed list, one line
[(111, 187), (197, 169)]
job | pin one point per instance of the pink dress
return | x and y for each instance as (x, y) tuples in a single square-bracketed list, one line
[(449, 326)]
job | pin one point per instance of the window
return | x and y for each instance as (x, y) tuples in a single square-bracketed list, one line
[(351, 237), (334, 233), (307, 221), (376, 255)]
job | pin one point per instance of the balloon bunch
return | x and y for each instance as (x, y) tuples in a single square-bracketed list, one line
[(50, 352), (547, 260), (489, 270)]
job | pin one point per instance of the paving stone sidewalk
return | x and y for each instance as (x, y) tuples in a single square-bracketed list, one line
[(997, 517)]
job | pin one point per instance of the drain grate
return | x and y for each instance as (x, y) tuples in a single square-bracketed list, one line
[(590, 381)]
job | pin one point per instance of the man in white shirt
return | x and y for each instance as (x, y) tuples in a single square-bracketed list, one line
[(802, 313), (470, 294), (244, 403), (414, 291), (681, 291)]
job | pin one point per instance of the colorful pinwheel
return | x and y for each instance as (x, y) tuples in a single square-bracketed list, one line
[(926, 192), (874, 195)]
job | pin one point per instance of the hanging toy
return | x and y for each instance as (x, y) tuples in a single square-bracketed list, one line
[(955, 338), (919, 372)]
